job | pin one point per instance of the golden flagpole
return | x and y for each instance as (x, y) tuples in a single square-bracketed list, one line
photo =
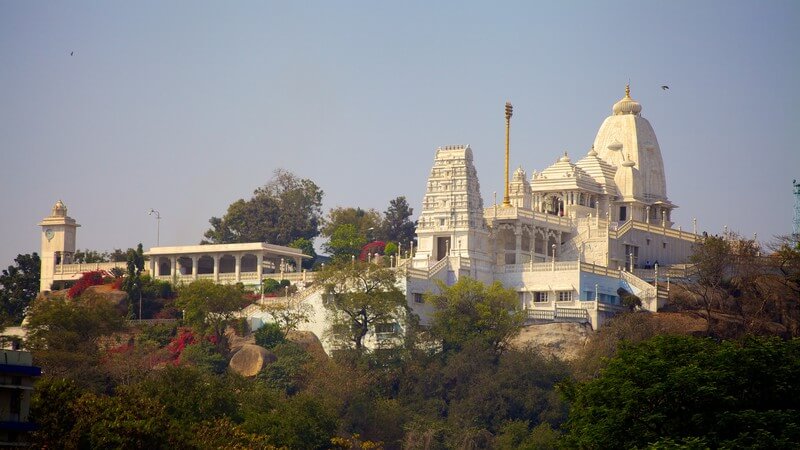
[(509, 111)]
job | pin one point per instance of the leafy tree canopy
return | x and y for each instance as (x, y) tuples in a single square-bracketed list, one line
[(210, 307), (87, 256), (679, 390), (361, 296), (307, 247), (397, 226), (19, 285), (285, 209), (472, 311), (367, 223), (345, 243)]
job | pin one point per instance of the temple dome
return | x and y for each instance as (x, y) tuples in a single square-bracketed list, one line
[(626, 140), (627, 105)]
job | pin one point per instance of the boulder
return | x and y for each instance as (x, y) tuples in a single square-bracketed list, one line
[(250, 359), (308, 341), (236, 342), (116, 297), (562, 340)]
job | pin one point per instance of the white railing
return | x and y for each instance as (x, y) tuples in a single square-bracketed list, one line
[(559, 314), (70, 269), (539, 267), (599, 270), (647, 292)]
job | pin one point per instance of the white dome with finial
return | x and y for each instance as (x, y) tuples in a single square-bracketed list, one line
[(627, 140), (627, 105)]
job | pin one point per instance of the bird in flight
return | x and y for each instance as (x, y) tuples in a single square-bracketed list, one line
[(70, 53), (664, 87)]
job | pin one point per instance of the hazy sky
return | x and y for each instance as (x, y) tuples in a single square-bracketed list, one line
[(187, 106)]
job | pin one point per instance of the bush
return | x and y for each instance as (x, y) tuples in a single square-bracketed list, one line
[(269, 335), (204, 355), (160, 334), (153, 289), (270, 285), (240, 327), (390, 249)]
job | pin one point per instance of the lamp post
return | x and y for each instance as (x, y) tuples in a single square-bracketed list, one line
[(158, 225), (631, 258)]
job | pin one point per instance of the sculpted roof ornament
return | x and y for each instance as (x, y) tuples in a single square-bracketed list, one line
[(592, 152), (627, 105), (628, 162), (564, 158), (519, 175), (59, 209)]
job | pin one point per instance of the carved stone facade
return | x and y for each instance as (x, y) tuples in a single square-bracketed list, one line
[(567, 235)]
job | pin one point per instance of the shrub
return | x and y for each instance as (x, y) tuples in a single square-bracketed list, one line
[(241, 327), (269, 335), (270, 285), (179, 343), (390, 249), (204, 355)]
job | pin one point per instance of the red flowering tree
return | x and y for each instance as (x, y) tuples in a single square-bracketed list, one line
[(372, 248), (92, 278)]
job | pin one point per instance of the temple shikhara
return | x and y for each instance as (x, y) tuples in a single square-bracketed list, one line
[(568, 238)]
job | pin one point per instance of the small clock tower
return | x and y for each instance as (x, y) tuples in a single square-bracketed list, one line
[(58, 242)]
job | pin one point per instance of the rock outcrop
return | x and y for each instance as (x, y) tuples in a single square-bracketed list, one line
[(250, 359), (562, 340), (308, 341)]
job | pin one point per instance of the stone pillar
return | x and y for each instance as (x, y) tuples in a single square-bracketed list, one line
[(517, 245), (298, 264), (153, 267), (216, 268), (195, 258), (173, 265), (238, 271), (260, 266)]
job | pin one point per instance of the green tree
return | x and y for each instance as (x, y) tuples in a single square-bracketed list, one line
[(64, 335), (360, 295), (731, 395), (345, 243), (190, 394), (19, 286), (210, 307), (283, 210), (120, 421), (396, 226), (366, 223), (133, 278), (269, 335), (87, 256), (472, 311), (288, 314), (307, 247), (51, 410)]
